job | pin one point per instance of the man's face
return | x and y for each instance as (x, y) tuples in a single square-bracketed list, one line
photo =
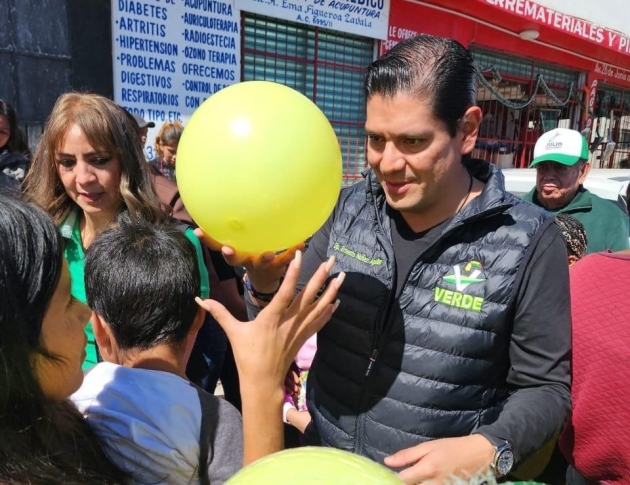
[(557, 184), (413, 154)]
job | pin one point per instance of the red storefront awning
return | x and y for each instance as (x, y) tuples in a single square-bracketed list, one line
[(555, 28)]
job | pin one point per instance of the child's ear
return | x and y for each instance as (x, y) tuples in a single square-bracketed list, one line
[(192, 333), (198, 321), (103, 337)]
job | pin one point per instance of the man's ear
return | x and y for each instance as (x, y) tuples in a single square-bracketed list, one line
[(469, 126), (104, 338), (584, 170), (573, 259)]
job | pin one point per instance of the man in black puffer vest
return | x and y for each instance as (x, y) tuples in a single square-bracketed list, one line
[(449, 352)]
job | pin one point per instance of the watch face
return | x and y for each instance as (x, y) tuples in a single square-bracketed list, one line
[(505, 462)]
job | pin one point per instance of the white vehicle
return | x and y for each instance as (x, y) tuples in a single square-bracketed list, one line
[(610, 184)]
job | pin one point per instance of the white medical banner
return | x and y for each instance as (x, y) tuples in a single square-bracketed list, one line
[(170, 55), (367, 18)]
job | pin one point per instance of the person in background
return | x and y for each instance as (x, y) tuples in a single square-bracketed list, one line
[(548, 465), (89, 167), (14, 153), (211, 338), (574, 236), (166, 144), (595, 440), (166, 190), (561, 163), (295, 412), (42, 344), (143, 126)]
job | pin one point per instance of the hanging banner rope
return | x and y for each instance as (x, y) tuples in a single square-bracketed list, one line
[(540, 83)]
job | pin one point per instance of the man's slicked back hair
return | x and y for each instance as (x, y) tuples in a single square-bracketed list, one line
[(437, 69), (142, 280)]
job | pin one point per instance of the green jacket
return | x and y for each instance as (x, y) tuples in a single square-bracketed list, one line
[(606, 225), (76, 261)]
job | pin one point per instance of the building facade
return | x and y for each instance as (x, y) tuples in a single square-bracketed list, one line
[(540, 64), (538, 68), (48, 47)]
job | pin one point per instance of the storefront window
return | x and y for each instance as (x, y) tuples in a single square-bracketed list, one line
[(521, 99), (325, 65)]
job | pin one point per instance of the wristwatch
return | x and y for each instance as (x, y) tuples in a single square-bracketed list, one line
[(503, 460)]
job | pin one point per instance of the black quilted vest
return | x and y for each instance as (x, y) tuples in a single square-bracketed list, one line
[(391, 373)]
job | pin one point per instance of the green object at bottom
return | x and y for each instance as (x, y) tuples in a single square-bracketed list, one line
[(315, 466)]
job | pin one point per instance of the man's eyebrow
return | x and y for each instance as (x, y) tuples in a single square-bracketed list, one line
[(417, 134), (413, 135)]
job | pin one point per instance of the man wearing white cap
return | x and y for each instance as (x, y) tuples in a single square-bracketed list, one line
[(561, 163)]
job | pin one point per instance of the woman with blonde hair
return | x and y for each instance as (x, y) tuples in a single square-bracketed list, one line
[(89, 167), (166, 143)]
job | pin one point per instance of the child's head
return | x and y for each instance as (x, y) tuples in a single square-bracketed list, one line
[(141, 281), (167, 141), (10, 134), (574, 236)]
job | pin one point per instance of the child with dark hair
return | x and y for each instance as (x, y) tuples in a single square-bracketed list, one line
[(574, 236), (141, 282), (44, 438), (14, 153)]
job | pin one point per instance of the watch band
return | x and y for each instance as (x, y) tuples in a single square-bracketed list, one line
[(266, 297), (503, 460)]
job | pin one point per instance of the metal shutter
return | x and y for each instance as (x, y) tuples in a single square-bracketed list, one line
[(326, 66)]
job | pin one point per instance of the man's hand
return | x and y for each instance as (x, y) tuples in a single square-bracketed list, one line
[(439, 460), (263, 270)]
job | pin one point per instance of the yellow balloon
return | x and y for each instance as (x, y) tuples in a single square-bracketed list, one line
[(315, 466), (259, 167)]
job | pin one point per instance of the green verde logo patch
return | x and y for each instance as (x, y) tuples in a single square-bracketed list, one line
[(461, 280), (356, 255)]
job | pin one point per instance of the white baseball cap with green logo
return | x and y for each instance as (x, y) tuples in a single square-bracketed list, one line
[(562, 146)]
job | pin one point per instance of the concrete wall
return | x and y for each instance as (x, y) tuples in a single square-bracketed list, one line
[(48, 47)]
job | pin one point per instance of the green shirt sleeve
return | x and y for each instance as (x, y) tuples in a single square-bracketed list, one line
[(619, 234), (75, 256), (203, 271)]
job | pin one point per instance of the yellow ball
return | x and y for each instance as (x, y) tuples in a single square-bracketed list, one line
[(259, 167), (315, 466)]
